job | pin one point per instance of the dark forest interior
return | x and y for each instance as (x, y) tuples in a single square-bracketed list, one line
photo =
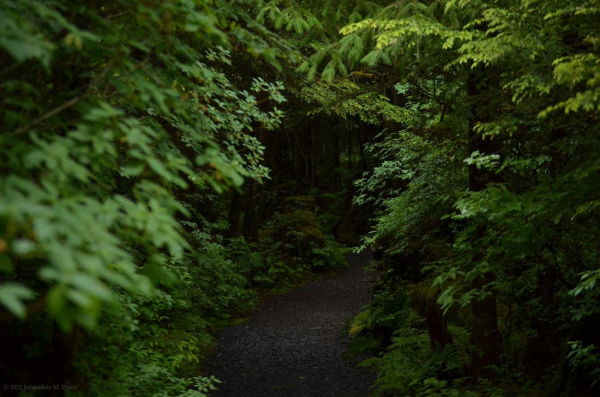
[(167, 167)]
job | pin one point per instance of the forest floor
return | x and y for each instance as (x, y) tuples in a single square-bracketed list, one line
[(294, 344)]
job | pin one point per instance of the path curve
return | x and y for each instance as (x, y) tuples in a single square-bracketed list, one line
[(293, 345)]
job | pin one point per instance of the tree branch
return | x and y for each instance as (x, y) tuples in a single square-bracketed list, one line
[(70, 103)]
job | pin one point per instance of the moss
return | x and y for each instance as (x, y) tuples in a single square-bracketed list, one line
[(304, 218), (314, 234), (421, 294), (359, 323), (294, 203)]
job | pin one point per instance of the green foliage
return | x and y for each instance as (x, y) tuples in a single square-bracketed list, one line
[(129, 355), (300, 239), (332, 255), (410, 366), (490, 175), (142, 118), (585, 357), (120, 121), (347, 99)]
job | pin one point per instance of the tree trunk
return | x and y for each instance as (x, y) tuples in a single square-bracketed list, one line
[(298, 163), (248, 210), (314, 156), (437, 326), (361, 150), (484, 328), (337, 182), (233, 218), (350, 156)]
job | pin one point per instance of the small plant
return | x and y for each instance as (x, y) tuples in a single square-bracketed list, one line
[(332, 255)]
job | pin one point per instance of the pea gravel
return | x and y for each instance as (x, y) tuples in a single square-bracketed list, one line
[(293, 345)]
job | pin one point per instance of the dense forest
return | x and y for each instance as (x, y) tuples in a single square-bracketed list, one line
[(167, 165)]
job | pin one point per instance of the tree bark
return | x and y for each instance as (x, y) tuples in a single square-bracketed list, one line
[(337, 182), (314, 157), (233, 218), (248, 210), (361, 150), (298, 163), (350, 155), (485, 336), (437, 325)]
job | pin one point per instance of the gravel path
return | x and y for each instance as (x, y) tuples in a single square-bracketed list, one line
[(293, 344)]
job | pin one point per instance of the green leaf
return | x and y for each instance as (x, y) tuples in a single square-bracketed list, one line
[(12, 296)]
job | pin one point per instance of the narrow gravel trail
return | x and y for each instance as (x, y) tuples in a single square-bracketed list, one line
[(293, 344)]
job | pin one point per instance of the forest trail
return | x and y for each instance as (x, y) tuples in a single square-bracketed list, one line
[(293, 345)]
